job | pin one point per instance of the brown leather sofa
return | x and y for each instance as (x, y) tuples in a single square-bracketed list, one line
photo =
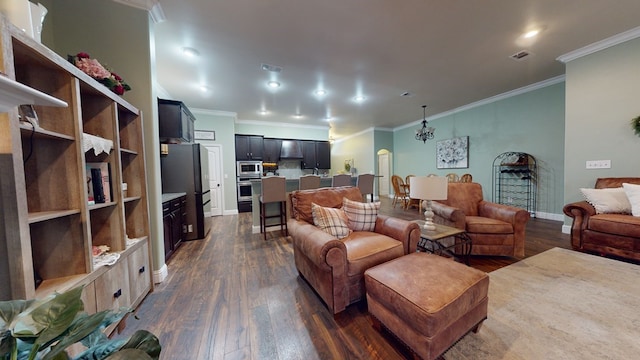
[(335, 268), (495, 229), (605, 234)]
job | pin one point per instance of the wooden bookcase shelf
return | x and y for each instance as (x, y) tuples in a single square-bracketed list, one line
[(47, 224)]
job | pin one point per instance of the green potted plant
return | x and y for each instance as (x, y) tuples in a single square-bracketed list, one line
[(45, 329), (635, 124)]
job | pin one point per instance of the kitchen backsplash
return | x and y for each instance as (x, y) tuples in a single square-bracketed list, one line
[(291, 169)]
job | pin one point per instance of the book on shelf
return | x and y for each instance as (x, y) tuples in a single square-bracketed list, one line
[(99, 183)]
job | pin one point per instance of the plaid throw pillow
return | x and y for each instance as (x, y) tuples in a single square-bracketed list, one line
[(331, 220), (362, 216)]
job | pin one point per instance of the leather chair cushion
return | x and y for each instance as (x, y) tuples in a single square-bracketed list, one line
[(618, 224), (483, 225), (428, 291), (366, 249)]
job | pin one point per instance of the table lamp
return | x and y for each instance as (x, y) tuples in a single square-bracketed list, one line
[(428, 188)]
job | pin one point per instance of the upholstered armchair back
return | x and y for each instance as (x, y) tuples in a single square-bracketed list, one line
[(464, 196), (328, 197)]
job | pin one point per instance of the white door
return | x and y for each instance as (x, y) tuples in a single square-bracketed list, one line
[(385, 173), (215, 178)]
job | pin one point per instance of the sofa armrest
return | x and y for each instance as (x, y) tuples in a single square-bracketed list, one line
[(407, 232), (316, 244), (580, 212), (448, 215)]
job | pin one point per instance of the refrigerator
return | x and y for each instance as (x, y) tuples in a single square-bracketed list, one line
[(185, 169)]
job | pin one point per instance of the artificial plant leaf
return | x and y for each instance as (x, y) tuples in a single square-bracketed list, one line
[(102, 350), (10, 309), (97, 336), (129, 354), (82, 326), (7, 344), (51, 318), (145, 341)]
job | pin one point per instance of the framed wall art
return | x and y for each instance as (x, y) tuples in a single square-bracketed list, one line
[(453, 153), (204, 135)]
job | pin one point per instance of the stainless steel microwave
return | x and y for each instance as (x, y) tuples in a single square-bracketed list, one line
[(249, 168)]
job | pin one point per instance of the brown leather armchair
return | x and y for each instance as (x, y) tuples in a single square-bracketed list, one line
[(335, 268), (495, 229)]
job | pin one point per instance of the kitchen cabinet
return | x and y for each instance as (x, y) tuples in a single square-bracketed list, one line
[(316, 154), (249, 147), (176, 122), (49, 226), (271, 153), (173, 220)]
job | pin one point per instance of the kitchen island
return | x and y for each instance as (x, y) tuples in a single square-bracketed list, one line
[(292, 185)]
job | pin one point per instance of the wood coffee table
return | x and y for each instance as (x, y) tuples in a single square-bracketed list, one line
[(434, 241)]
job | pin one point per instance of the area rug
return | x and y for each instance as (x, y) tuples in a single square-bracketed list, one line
[(559, 304)]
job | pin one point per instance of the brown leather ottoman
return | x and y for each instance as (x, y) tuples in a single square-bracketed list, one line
[(427, 301)]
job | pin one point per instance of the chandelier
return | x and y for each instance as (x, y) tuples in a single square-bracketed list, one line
[(426, 132)]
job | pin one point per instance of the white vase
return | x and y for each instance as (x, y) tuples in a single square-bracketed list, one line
[(19, 13), (38, 12)]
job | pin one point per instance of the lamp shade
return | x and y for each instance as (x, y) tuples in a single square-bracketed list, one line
[(428, 187)]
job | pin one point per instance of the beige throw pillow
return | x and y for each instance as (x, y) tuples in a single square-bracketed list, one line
[(362, 216), (608, 201), (330, 220), (633, 195)]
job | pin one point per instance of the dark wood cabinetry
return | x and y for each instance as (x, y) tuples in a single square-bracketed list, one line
[(173, 220), (316, 154), (176, 121), (271, 149), (249, 147)]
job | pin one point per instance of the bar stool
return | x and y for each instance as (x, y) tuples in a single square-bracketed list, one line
[(307, 182), (341, 180), (273, 190), (365, 184)]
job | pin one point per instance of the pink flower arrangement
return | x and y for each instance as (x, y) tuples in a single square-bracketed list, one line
[(94, 69)]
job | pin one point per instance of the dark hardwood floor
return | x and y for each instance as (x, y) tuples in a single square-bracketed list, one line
[(234, 295)]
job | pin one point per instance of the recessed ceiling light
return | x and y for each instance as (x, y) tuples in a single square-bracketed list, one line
[(320, 92), (359, 98), (297, 116), (204, 88), (531, 33), (273, 84), (263, 112), (191, 52), (328, 118)]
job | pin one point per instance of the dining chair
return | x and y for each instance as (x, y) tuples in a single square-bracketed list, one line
[(307, 182), (465, 178), (341, 180), (451, 177), (365, 184), (400, 192)]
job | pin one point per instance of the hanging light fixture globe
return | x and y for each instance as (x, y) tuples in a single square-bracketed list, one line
[(425, 132)]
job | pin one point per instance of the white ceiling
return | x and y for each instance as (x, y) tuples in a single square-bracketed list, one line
[(446, 53)]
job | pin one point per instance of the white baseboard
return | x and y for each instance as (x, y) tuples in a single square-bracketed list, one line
[(161, 274), (230, 212), (566, 229), (549, 216)]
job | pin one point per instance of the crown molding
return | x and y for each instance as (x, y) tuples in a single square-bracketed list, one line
[(152, 6), (279, 124), (600, 45), (499, 97), (215, 112)]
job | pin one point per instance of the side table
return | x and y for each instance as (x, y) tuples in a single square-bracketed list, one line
[(433, 241)]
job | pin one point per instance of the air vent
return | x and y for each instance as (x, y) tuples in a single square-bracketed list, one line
[(521, 55), (406, 94), (271, 68)]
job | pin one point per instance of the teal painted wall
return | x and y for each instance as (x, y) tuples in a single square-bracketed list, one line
[(223, 125), (532, 122), (602, 98)]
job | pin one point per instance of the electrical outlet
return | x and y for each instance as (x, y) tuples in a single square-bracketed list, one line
[(190, 228), (599, 164)]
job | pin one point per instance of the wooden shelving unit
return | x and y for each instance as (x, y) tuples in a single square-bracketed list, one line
[(47, 224)]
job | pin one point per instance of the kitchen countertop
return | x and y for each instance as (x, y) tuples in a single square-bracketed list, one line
[(171, 196)]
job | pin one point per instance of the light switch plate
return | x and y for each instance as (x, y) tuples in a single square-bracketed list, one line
[(599, 164)]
